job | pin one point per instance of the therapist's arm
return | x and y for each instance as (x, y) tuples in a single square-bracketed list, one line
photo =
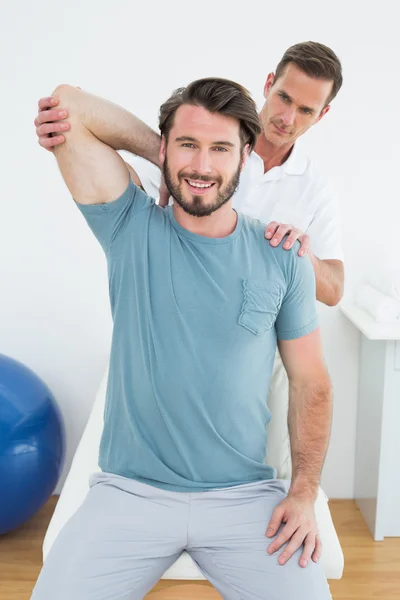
[(329, 277)]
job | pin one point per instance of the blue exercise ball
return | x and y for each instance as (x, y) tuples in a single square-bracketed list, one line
[(32, 443)]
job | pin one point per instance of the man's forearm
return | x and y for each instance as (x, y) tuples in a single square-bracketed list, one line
[(329, 277), (309, 420), (110, 123)]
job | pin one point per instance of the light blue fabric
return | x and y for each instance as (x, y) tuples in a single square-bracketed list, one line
[(195, 326), (126, 534)]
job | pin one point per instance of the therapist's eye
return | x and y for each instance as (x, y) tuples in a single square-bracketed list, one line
[(284, 97)]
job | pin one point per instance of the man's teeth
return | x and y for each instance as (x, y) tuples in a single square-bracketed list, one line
[(199, 185)]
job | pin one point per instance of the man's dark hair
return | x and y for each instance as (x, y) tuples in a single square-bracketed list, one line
[(315, 60), (217, 96)]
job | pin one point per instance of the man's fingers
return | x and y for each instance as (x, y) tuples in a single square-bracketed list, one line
[(47, 116), (47, 123), (47, 128), (280, 233), (275, 522), (304, 245), (48, 143), (309, 547), (291, 238), (318, 549), (282, 538), (272, 227), (295, 543), (45, 103)]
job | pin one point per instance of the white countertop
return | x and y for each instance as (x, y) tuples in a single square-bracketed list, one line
[(367, 324)]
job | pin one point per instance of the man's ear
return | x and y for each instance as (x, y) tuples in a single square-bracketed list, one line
[(163, 150), (268, 84), (245, 154), (323, 112)]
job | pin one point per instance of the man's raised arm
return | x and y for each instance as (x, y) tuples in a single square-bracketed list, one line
[(89, 163)]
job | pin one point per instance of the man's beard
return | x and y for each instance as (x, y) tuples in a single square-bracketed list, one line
[(196, 208)]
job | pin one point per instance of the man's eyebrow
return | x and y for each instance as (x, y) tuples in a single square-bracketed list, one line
[(291, 100), (224, 143), (187, 138)]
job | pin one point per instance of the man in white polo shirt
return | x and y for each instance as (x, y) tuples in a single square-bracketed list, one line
[(279, 185)]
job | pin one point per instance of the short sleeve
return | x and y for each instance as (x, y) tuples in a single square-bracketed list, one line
[(297, 316), (107, 220), (325, 229)]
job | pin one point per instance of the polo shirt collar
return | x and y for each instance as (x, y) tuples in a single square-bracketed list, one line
[(296, 164)]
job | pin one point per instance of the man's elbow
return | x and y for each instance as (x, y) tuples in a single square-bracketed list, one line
[(315, 384), (61, 89), (67, 96), (72, 100), (334, 293), (335, 296)]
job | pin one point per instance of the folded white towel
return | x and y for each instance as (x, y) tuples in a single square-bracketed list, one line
[(386, 281), (383, 308)]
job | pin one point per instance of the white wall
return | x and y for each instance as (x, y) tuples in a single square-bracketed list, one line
[(53, 302)]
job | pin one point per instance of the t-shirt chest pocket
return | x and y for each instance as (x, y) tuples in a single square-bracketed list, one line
[(260, 305)]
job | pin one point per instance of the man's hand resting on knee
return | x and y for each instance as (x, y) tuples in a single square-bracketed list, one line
[(297, 513)]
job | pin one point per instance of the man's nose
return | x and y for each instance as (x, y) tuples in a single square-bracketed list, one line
[(288, 116), (202, 162)]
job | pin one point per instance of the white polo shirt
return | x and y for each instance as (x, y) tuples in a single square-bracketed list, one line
[(293, 193)]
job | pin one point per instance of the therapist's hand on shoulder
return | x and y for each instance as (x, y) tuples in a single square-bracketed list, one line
[(275, 232)]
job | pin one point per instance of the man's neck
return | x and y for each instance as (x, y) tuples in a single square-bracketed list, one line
[(219, 224), (272, 156)]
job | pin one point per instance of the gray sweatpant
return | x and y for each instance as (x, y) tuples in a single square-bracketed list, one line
[(127, 534)]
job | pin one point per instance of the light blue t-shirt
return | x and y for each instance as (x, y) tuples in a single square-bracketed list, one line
[(196, 321)]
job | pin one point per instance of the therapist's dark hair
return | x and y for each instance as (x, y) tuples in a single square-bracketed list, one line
[(315, 60), (217, 96)]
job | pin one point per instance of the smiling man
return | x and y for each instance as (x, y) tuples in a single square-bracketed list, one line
[(203, 199), (199, 300)]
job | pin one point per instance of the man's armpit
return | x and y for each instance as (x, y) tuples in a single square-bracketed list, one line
[(134, 176)]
